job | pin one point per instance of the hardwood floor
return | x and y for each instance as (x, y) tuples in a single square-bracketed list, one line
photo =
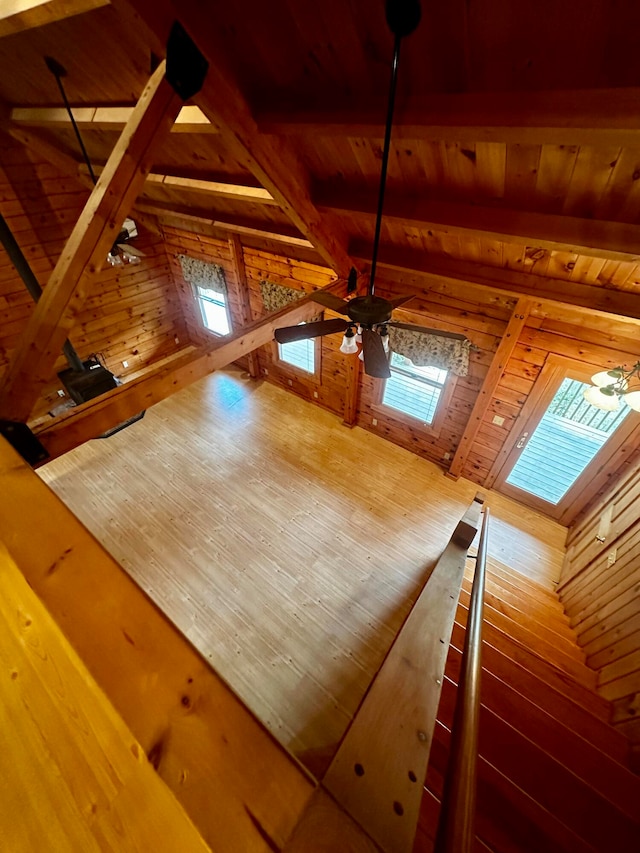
[(287, 547)]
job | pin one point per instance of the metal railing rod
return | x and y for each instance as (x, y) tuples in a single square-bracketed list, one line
[(456, 827)]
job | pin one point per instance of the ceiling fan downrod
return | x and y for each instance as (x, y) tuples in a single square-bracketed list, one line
[(403, 16)]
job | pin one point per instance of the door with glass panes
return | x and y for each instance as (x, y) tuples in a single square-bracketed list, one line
[(559, 442)]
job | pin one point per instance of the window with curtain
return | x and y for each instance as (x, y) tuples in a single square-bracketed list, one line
[(210, 289), (213, 308), (414, 391)]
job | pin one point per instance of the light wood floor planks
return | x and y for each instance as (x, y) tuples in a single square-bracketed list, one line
[(287, 547)]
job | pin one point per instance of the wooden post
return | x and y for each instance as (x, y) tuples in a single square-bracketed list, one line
[(86, 249), (237, 259), (352, 390), (494, 374)]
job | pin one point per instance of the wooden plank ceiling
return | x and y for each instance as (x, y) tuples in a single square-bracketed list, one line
[(515, 161), (516, 147)]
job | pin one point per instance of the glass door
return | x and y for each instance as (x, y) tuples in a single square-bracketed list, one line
[(557, 442)]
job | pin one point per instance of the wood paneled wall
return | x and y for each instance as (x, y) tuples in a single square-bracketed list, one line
[(132, 313), (328, 387), (599, 588), (484, 324)]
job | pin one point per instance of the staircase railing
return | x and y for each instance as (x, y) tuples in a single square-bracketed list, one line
[(456, 827)]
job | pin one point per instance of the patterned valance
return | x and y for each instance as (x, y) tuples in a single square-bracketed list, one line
[(203, 274), (428, 350), (276, 296)]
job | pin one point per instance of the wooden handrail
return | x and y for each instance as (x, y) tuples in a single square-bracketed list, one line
[(456, 827)]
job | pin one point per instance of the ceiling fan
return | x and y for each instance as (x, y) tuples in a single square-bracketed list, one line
[(121, 250), (369, 316)]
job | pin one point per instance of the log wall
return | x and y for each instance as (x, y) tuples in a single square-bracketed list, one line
[(132, 313), (599, 589)]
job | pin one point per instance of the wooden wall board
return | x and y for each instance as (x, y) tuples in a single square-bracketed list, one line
[(612, 779), (599, 589), (552, 784)]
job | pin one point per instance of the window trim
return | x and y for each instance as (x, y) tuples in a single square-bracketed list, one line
[(200, 309), (433, 429)]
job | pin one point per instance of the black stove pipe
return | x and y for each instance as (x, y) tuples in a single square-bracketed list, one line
[(26, 274)]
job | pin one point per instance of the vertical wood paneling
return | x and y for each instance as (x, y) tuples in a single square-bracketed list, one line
[(599, 590)]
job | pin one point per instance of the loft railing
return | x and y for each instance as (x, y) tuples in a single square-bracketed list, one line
[(456, 827)]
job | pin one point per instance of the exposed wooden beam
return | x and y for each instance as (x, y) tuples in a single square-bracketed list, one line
[(210, 189), (274, 162), (617, 241), (244, 302), (190, 119), (19, 15), (86, 249), (231, 224), (558, 297), (581, 117), (502, 355), (260, 240), (69, 165), (197, 186), (103, 413)]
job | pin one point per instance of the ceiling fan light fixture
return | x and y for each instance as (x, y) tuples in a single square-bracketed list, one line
[(610, 386), (608, 377), (632, 399), (604, 399), (115, 259), (130, 257), (349, 344)]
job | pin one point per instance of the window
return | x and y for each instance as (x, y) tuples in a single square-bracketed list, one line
[(415, 391), (300, 354), (213, 307)]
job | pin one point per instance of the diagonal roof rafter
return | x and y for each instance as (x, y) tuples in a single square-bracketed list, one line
[(273, 161), (86, 249)]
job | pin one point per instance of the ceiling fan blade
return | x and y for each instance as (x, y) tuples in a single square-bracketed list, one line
[(375, 358), (309, 330), (400, 300), (127, 247), (439, 332), (330, 300)]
